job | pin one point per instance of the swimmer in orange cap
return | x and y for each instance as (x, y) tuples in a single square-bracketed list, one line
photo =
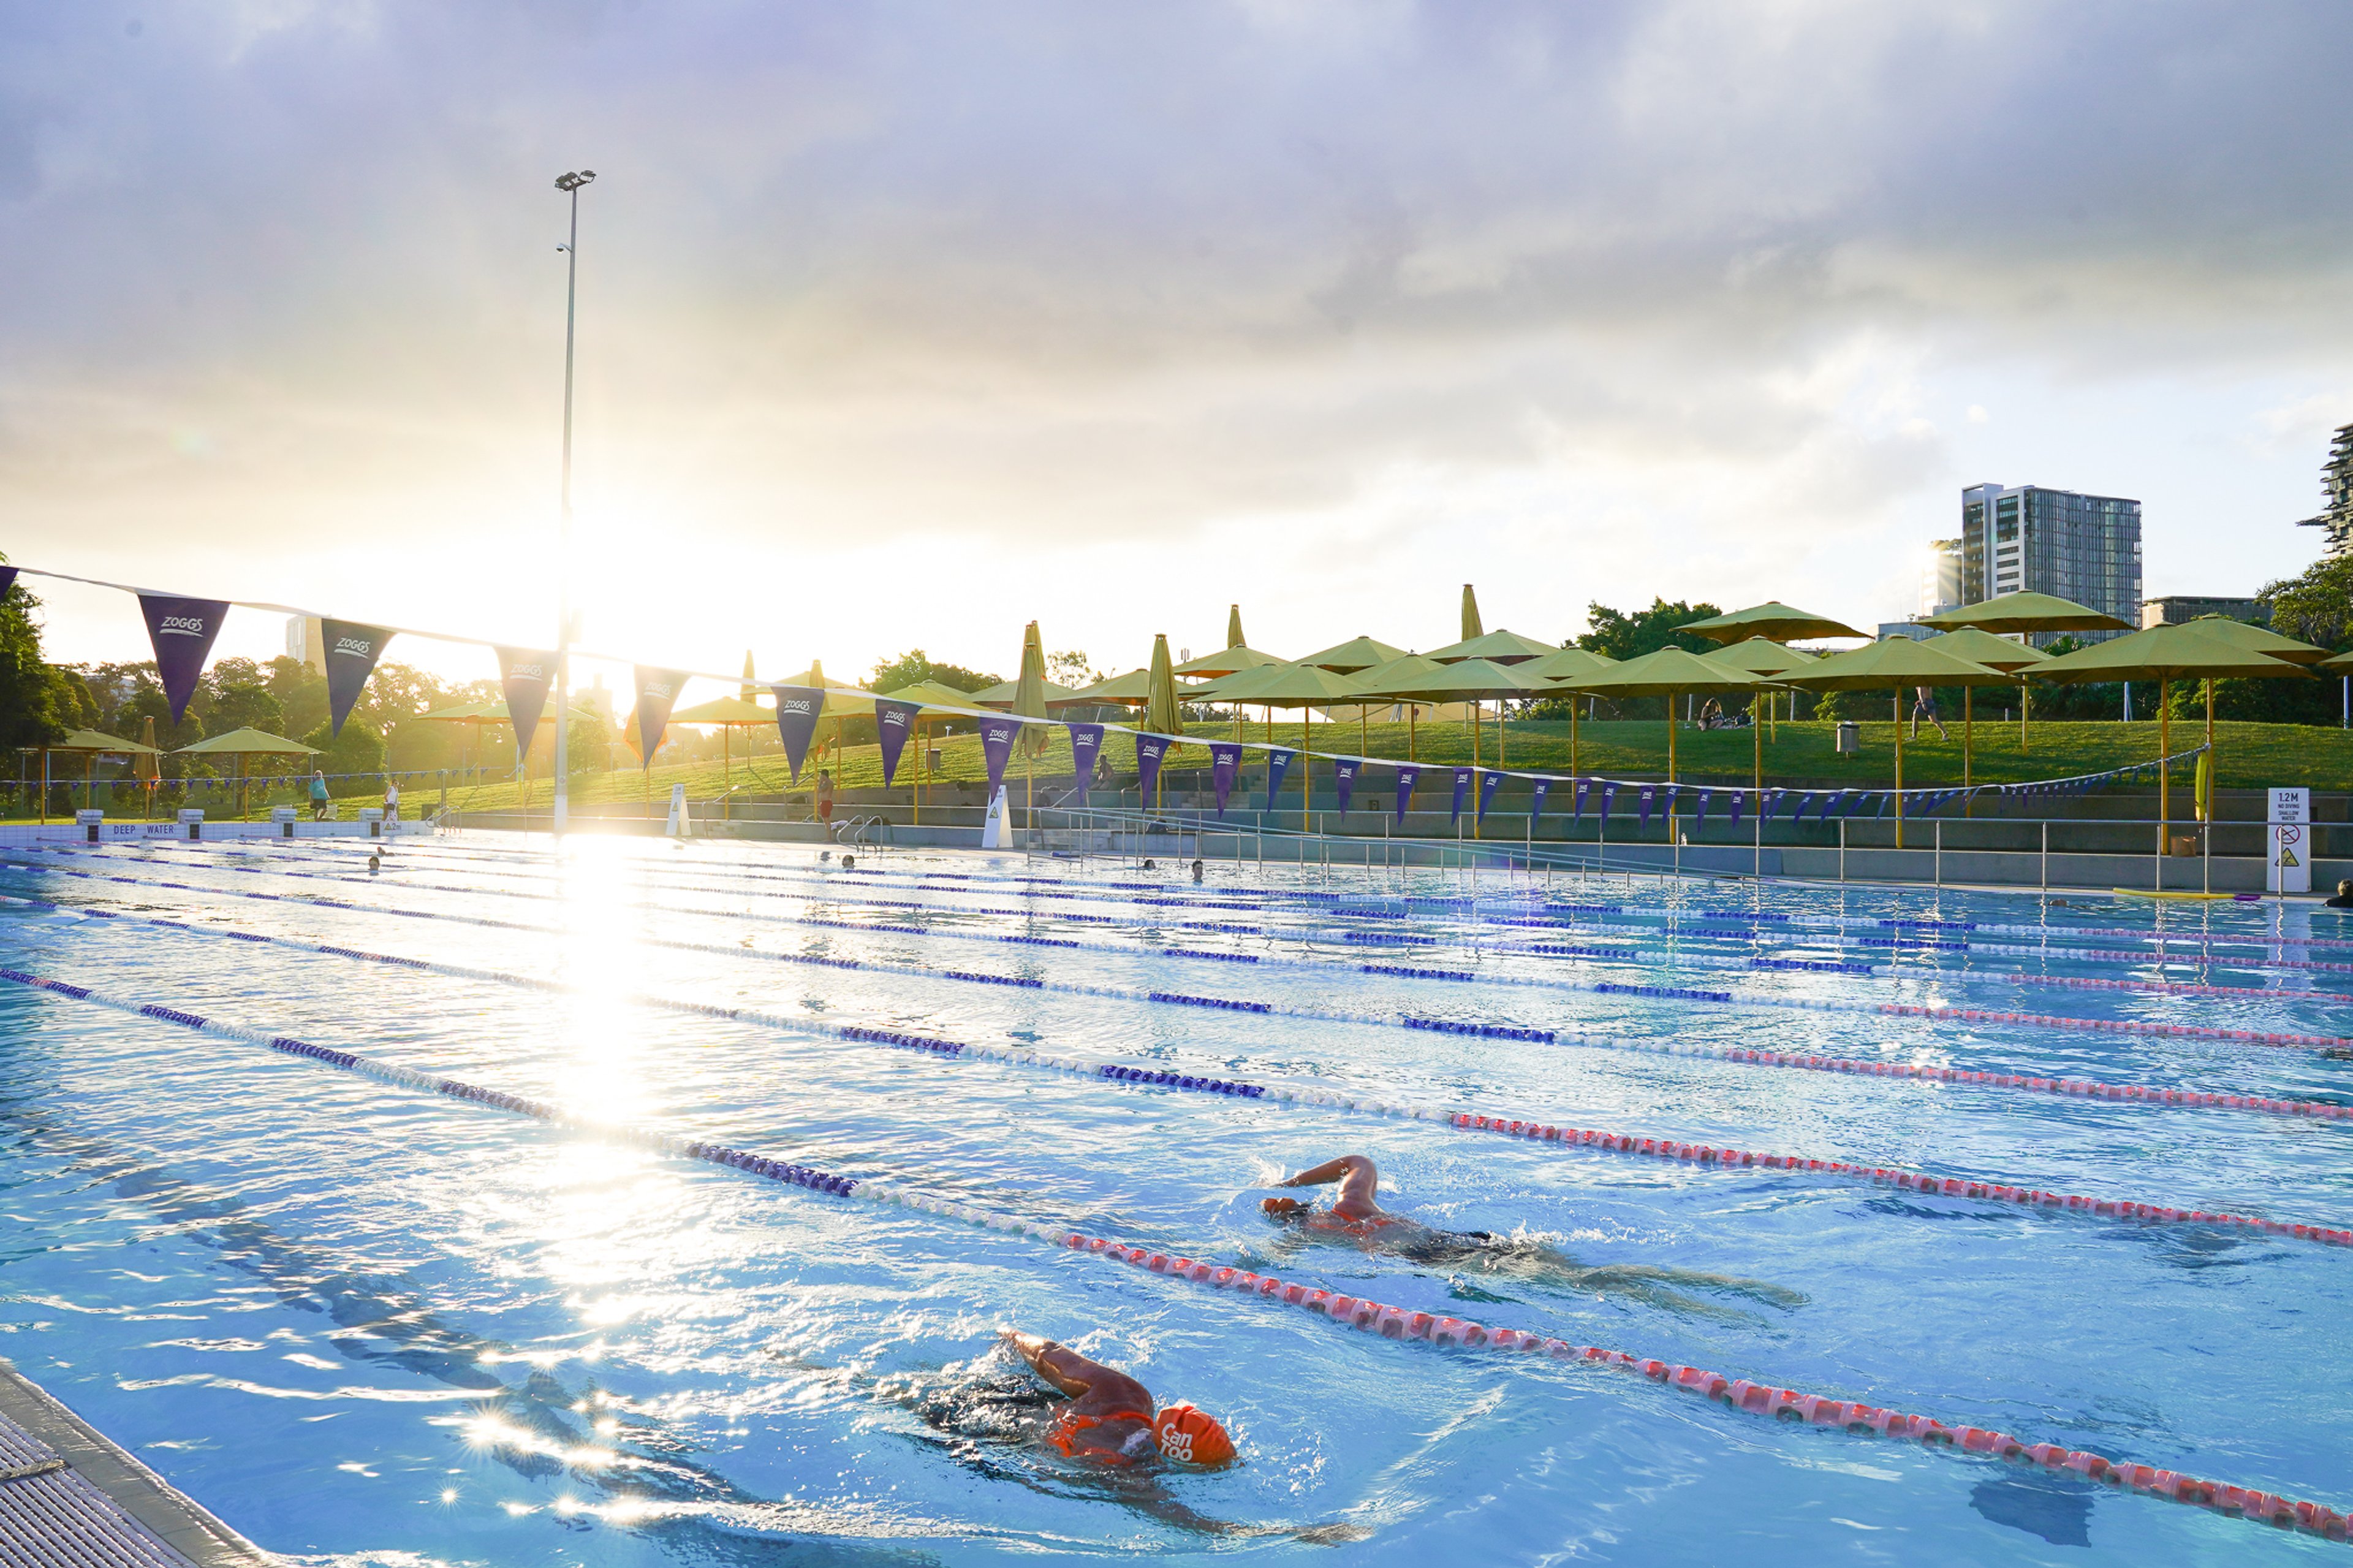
[(1110, 1420), (1356, 1215)]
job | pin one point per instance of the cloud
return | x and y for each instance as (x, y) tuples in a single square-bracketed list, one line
[(1066, 279)]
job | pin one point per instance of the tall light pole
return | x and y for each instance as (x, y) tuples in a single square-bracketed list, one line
[(569, 184)]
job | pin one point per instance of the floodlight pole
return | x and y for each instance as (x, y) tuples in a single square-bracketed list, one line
[(569, 184)]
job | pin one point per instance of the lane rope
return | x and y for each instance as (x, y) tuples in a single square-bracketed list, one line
[(2281, 1040), (1357, 1312), (2132, 1094), (1527, 1127)]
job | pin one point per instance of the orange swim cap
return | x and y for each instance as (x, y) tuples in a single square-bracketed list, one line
[(1192, 1439)]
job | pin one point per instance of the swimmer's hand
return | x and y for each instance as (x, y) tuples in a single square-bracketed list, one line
[(1282, 1205)]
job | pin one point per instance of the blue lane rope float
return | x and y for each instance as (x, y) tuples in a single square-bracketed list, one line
[(2285, 1039), (1377, 1318), (1662, 1148)]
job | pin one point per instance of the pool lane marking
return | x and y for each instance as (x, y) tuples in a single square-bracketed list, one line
[(1172, 893), (2135, 1094), (1357, 1312), (1525, 1127), (2133, 1027), (1598, 913)]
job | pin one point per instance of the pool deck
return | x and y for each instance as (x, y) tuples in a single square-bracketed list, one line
[(70, 1496)]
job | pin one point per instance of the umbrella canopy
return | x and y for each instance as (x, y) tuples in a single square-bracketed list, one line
[(1227, 661), (1354, 655), (1497, 646), (1162, 715), (2183, 651), (1761, 655), (2341, 665), (1370, 682), (932, 694), (839, 699), (2257, 639), (491, 712), (1290, 686), (1563, 661), (248, 743), (1981, 647), (2027, 612), (725, 711), (1771, 620), (1665, 673), (1890, 663), (1005, 693), (91, 740), (1470, 627), (1469, 680), (1132, 690)]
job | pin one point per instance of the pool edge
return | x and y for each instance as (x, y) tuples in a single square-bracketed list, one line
[(179, 1519)]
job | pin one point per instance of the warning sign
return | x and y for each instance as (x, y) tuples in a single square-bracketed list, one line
[(2291, 859)]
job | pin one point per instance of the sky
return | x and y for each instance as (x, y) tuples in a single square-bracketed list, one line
[(901, 325)]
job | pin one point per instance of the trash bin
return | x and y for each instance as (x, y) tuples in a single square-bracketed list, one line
[(1849, 735)]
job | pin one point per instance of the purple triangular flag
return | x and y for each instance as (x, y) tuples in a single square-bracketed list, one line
[(658, 692), (894, 722), (1086, 746), (798, 708), (352, 652), (182, 632), (1150, 751), (525, 676), (1225, 762)]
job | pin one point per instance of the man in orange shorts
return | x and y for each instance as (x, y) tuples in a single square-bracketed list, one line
[(1110, 1420)]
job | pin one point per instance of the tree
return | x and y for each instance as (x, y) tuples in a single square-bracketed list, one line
[(245, 705), (916, 665), (1614, 635), (40, 703), (1070, 668), (358, 750)]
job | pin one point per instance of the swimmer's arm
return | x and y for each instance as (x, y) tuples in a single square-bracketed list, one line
[(1059, 1364), (1359, 1179)]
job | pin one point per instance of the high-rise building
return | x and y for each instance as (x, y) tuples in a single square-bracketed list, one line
[(1940, 578), (2025, 538), (2337, 489)]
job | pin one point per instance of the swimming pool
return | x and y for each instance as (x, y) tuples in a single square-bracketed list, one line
[(370, 1324)]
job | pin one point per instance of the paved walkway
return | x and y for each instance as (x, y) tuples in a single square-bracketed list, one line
[(69, 1498)]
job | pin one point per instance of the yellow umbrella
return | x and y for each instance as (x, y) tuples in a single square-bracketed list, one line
[(92, 745), (1567, 661), (243, 743), (1030, 703), (1162, 715), (1472, 681), (1669, 673), (728, 715), (1355, 655), (1891, 665), (2023, 615), (1981, 647), (1370, 683), (1497, 646), (1760, 655), (2165, 654), (1306, 687), (1772, 619), (1471, 624)]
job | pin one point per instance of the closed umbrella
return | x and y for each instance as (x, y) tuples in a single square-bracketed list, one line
[(1163, 714), (1030, 703), (2165, 655), (1471, 623), (1889, 666)]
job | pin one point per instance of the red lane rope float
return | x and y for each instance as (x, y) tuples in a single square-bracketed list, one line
[(1760, 1398), (1662, 1148), (2166, 987), (2134, 1094), (2109, 1025), (1881, 1175)]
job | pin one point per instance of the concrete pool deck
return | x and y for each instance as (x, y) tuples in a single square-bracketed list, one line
[(69, 1495)]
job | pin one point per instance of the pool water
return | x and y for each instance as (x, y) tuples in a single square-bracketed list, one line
[(367, 1325)]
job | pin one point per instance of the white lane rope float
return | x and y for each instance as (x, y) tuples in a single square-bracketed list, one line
[(1751, 1000), (2074, 1088), (1525, 1126), (1362, 1314)]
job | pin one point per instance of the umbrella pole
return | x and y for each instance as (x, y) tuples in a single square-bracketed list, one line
[(1572, 734), (1411, 713), (2025, 700), (1968, 746), (2213, 778), (1757, 734), (1899, 786), (1306, 770), (2164, 769), (1670, 737)]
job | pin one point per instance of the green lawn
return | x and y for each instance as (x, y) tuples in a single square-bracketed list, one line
[(2249, 756)]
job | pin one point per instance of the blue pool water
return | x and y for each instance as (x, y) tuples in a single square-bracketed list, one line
[(372, 1326)]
